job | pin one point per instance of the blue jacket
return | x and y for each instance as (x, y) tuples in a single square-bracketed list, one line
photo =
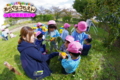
[(33, 61), (64, 34), (70, 65), (39, 29), (39, 44), (79, 36)]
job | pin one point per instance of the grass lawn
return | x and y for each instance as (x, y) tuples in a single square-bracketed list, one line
[(98, 65)]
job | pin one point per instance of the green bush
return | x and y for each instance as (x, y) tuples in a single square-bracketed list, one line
[(45, 17), (67, 19)]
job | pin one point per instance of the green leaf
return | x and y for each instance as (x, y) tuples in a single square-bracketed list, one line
[(72, 30), (48, 37), (44, 42)]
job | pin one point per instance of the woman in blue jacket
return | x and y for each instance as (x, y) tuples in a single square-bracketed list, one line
[(34, 63)]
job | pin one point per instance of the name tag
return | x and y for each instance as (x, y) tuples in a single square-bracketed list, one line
[(37, 73)]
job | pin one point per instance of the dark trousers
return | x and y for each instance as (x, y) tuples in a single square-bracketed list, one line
[(5, 38)]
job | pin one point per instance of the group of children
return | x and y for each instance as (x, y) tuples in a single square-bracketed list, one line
[(5, 33), (73, 46)]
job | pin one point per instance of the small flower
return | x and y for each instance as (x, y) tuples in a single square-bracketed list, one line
[(61, 30), (63, 54), (52, 39)]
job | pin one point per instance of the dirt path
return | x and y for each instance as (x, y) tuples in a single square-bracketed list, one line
[(19, 27)]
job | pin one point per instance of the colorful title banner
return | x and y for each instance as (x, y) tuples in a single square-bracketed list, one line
[(25, 9)]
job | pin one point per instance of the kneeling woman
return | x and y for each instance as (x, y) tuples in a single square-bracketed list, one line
[(33, 61)]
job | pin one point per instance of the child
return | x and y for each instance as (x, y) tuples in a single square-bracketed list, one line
[(65, 32), (79, 34), (68, 40), (71, 63), (7, 30), (75, 26), (38, 42), (12, 35), (4, 35), (87, 46), (39, 26), (52, 32)]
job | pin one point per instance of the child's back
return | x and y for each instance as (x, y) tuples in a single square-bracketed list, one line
[(79, 34), (72, 61), (69, 64), (65, 32)]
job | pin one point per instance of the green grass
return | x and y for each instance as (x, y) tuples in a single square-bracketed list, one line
[(98, 65)]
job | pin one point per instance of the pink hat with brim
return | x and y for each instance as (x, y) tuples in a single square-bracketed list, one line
[(38, 33), (66, 25), (39, 24), (82, 26), (74, 47), (69, 38), (51, 22), (75, 25)]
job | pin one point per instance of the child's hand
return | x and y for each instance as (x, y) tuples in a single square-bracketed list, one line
[(89, 36), (63, 55)]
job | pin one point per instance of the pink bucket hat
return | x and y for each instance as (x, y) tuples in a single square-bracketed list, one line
[(82, 26), (74, 47), (51, 22), (69, 38), (39, 24), (66, 25), (75, 25), (37, 33)]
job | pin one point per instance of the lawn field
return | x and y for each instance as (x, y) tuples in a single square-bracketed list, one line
[(100, 64)]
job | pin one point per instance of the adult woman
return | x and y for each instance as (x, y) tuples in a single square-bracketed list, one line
[(33, 61)]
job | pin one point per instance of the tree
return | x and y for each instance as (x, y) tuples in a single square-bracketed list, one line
[(56, 11), (80, 6), (41, 10), (68, 14), (11, 21), (106, 11), (47, 11)]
